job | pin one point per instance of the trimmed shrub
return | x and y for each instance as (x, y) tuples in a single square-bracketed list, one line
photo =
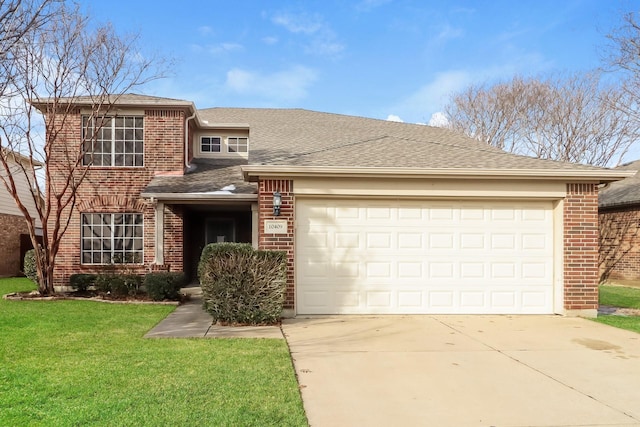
[(30, 268), (118, 284), (103, 282), (81, 282), (163, 285), (241, 285)]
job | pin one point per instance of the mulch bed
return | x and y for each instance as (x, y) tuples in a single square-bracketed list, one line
[(618, 311), (88, 296)]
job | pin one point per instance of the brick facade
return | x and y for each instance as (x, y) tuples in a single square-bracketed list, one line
[(117, 190), (620, 243), (11, 227), (581, 247), (280, 242)]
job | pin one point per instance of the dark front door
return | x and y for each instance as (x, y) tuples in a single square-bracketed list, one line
[(210, 224), (220, 230)]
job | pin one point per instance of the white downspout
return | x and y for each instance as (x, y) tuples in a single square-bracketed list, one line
[(186, 140)]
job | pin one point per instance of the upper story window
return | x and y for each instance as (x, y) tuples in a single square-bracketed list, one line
[(210, 144), (238, 145), (223, 146), (117, 141)]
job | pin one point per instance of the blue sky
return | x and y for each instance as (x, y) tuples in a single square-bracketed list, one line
[(372, 58)]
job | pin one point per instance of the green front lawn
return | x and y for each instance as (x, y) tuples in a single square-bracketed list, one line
[(66, 363), (619, 296)]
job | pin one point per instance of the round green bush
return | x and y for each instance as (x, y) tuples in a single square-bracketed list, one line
[(241, 285)]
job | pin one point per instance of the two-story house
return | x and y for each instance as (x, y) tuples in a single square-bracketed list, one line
[(376, 216)]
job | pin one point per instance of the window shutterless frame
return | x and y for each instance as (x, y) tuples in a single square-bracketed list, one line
[(112, 238), (237, 144), (113, 141), (210, 144), (222, 146)]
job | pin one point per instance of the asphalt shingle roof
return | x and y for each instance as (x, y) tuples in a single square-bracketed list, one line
[(206, 176), (297, 137), (621, 193), (309, 138)]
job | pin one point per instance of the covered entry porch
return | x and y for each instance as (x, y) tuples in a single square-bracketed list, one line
[(211, 202), (233, 218)]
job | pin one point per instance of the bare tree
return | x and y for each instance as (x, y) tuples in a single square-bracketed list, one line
[(576, 118), (619, 230), (18, 18), (623, 50), (52, 64)]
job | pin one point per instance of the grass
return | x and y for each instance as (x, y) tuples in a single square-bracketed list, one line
[(619, 296), (67, 363)]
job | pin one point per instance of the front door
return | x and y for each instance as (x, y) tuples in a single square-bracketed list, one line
[(220, 230)]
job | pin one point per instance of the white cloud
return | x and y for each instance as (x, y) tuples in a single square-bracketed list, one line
[(368, 5), (205, 30), (439, 119), (324, 46), (432, 96), (287, 85), (270, 40), (300, 23), (448, 32), (224, 48), (216, 49), (196, 48), (394, 118), (322, 40)]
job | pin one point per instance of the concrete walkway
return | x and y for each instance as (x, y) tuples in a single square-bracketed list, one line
[(465, 371), (189, 320)]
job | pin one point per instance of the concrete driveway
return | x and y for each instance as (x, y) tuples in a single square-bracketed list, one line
[(465, 371)]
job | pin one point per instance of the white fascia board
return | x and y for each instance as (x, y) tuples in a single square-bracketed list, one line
[(200, 197), (204, 125), (252, 172)]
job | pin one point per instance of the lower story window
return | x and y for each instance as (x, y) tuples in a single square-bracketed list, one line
[(112, 238)]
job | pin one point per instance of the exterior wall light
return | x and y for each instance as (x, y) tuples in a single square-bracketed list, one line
[(277, 203)]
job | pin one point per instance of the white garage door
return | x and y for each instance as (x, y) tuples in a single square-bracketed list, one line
[(377, 256)]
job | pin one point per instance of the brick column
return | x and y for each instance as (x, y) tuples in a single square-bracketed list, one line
[(581, 249), (280, 242)]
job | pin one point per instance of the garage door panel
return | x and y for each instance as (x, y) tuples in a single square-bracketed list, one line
[(423, 257), (418, 269)]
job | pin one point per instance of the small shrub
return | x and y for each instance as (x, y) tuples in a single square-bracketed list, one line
[(81, 282), (30, 269), (118, 284), (164, 285), (242, 285), (103, 282)]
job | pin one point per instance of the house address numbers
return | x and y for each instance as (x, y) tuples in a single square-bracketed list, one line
[(275, 226)]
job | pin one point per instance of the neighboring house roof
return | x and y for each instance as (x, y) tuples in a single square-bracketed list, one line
[(622, 193)]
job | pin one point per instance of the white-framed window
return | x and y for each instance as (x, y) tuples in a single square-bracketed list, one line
[(118, 141), (210, 144), (112, 238), (238, 144), (229, 146)]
